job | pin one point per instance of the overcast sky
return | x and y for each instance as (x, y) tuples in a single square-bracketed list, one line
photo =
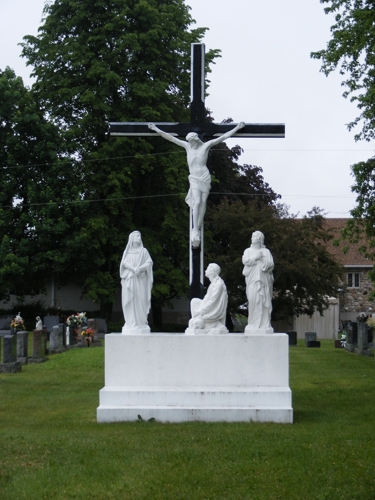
[(265, 75)]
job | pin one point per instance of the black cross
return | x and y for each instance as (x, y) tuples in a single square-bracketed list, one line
[(205, 131)]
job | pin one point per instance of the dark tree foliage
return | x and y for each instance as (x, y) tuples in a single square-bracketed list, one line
[(127, 60), (352, 50), (33, 224)]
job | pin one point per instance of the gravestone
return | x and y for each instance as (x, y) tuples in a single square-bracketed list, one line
[(5, 322), (292, 334), (339, 344), (93, 324), (362, 339), (39, 346), (22, 347), (102, 325), (9, 349), (56, 339), (9, 355), (313, 343), (50, 321), (351, 337), (309, 336), (70, 336)]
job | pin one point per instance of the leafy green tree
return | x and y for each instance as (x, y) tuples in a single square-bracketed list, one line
[(352, 50), (305, 273), (120, 60), (32, 184)]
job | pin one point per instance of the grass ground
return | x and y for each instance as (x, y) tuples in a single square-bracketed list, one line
[(52, 448)]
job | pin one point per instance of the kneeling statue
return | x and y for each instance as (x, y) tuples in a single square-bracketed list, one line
[(208, 314)]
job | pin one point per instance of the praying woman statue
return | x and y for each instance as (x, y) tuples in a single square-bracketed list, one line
[(199, 178), (258, 268), (136, 280)]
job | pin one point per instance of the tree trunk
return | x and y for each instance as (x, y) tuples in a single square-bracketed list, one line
[(106, 310), (157, 316)]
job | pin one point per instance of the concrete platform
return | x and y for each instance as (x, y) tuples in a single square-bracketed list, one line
[(177, 378)]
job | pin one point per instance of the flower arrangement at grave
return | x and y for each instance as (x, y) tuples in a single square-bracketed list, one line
[(18, 323), (371, 322), (77, 320), (88, 336)]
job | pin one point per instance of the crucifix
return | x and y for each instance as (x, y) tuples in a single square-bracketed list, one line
[(197, 151)]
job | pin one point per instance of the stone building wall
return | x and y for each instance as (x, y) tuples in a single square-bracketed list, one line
[(356, 300)]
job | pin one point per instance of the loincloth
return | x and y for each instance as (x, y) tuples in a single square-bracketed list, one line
[(202, 184)]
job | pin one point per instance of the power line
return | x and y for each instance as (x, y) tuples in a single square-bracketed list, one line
[(63, 160), (128, 198)]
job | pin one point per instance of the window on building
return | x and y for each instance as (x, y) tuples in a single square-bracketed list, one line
[(353, 280)]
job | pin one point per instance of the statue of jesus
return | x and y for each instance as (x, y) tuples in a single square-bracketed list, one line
[(199, 178)]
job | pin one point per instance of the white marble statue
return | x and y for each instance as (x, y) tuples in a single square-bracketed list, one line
[(136, 280), (199, 178), (258, 268), (208, 314), (39, 324)]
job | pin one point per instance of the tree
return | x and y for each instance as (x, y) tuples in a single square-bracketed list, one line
[(241, 182), (32, 186), (305, 273), (129, 60), (352, 49)]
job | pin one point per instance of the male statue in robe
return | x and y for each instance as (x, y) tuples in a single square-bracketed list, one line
[(209, 314), (199, 178), (258, 263)]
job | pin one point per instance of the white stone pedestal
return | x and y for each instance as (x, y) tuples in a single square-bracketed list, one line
[(212, 378)]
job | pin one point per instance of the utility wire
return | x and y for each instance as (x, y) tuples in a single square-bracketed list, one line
[(127, 198), (166, 153)]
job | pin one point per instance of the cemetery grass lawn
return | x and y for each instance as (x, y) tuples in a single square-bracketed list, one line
[(52, 448)]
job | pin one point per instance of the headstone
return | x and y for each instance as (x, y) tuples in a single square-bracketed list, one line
[(72, 338), (9, 349), (351, 336), (9, 355), (93, 324), (64, 328), (362, 342), (102, 325), (50, 321), (56, 340), (292, 334), (339, 344), (309, 336), (5, 322), (39, 346), (313, 343), (22, 347)]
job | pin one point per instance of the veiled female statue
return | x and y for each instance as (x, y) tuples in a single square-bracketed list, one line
[(136, 280), (258, 268)]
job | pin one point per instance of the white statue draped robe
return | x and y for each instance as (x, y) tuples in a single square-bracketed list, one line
[(209, 313), (136, 287), (259, 287)]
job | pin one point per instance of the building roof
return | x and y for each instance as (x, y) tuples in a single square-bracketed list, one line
[(352, 257)]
